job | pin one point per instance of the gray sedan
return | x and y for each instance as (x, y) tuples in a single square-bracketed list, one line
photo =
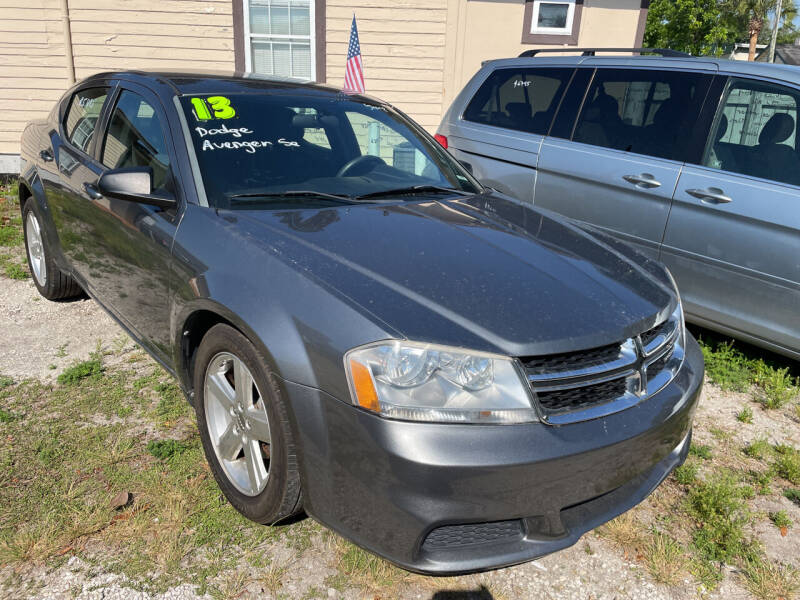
[(449, 378)]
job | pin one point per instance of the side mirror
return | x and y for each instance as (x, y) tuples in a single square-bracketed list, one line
[(134, 184), (466, 165)]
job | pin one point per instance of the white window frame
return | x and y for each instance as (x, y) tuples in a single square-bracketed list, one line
[(249, 36), (566, 30)]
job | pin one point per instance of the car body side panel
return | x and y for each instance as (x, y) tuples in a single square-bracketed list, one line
[(738, 263), (587, 183)]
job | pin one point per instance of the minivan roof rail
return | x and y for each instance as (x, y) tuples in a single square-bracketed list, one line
[(666, 52)]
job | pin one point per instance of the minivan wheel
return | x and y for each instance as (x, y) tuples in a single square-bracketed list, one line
[(244, 427), (51, 281)]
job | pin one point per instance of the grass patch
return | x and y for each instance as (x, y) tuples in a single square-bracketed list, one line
[(686, 474), (88, 368), (733, 369), (171, 403), (745, 415), (762, 481), (167, 449), (770, 581), (702, 451), (16, 271), (718, 508), (359, 567), (64, 457), (787, 463), (780, 519), (5, 382), (793, 495), (758, 449), (12, 258), (626, 532), (665, 559)]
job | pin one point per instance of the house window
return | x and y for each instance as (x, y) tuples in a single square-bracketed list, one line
[(551, 21), (553, 17), (279, 37)]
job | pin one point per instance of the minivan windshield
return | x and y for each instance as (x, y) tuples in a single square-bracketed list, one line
[(278, 149)]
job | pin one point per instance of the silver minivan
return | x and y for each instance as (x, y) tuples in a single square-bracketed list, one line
[(694, 161)]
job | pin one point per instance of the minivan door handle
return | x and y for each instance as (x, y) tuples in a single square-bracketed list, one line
[(710, 195), (644, 180), (46, 155)]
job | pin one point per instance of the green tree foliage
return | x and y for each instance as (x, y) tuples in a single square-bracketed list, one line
[(696, 27), (711, 27)]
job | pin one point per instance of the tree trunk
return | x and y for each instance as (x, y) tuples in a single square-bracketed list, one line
[(755, 29)]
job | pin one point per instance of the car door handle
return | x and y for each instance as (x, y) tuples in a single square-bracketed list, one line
[(92, 191), (644, 180), (46, 155), (710, 195)]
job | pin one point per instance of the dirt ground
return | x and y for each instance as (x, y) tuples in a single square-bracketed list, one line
[(38, 339)]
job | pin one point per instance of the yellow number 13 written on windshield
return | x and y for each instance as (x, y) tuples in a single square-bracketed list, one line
[(220, 106)]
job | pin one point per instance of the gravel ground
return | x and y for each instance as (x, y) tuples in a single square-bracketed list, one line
[(37, 334), (40, 338)]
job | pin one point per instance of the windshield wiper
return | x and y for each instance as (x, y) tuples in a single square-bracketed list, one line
[(338, 198), (414, 189)]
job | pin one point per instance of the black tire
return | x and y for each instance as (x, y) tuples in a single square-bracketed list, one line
[(282, 496), (57, 285)]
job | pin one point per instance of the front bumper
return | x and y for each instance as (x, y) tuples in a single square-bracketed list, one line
[(447, 498)]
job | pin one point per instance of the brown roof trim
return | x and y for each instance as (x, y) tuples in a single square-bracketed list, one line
[(320, 27), (640, 26), (550, 39), (238, 35)]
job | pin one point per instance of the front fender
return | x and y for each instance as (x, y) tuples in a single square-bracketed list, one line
[(301, 326)]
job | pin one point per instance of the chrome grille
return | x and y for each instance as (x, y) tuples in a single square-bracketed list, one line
[(592, 383), (579, 397)]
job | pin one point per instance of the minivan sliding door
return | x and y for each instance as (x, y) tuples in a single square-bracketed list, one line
[(618, 166)]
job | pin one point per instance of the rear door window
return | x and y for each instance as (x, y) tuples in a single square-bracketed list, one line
[(81, 119), (522, 99), (755, 132), (642, 111)]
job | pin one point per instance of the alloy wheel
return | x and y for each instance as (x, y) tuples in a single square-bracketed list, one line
[(33, 233), (237, 422)]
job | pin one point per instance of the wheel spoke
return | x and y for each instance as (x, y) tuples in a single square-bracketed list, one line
[(252, 456), (220, 390), (229, 443), (243, 381), (259, 425)]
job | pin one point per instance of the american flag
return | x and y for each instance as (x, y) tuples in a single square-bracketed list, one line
[(354, 70)]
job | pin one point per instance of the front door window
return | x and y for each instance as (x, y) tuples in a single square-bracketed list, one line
[(755, 133)]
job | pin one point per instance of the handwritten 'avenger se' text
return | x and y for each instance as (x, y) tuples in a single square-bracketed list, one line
[(249, 146)]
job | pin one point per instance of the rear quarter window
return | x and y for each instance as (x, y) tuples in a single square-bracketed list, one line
[(523, 99), (81, 118)]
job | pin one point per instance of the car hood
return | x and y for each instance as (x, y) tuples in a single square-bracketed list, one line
[(483, 272)]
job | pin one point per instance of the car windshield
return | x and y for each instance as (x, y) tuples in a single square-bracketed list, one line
[(270, 151)]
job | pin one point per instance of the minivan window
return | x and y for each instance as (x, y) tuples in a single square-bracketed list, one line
[(135, 138), (755, 132), (81, 119), (641, 111), (523, 99)]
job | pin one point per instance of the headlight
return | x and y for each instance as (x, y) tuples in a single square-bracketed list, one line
[(678, 312), (424, 382)]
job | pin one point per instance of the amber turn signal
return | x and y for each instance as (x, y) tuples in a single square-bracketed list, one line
[(364, 388)]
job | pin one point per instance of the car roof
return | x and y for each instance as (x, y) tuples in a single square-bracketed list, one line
[(199, 82), (788, 73)]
